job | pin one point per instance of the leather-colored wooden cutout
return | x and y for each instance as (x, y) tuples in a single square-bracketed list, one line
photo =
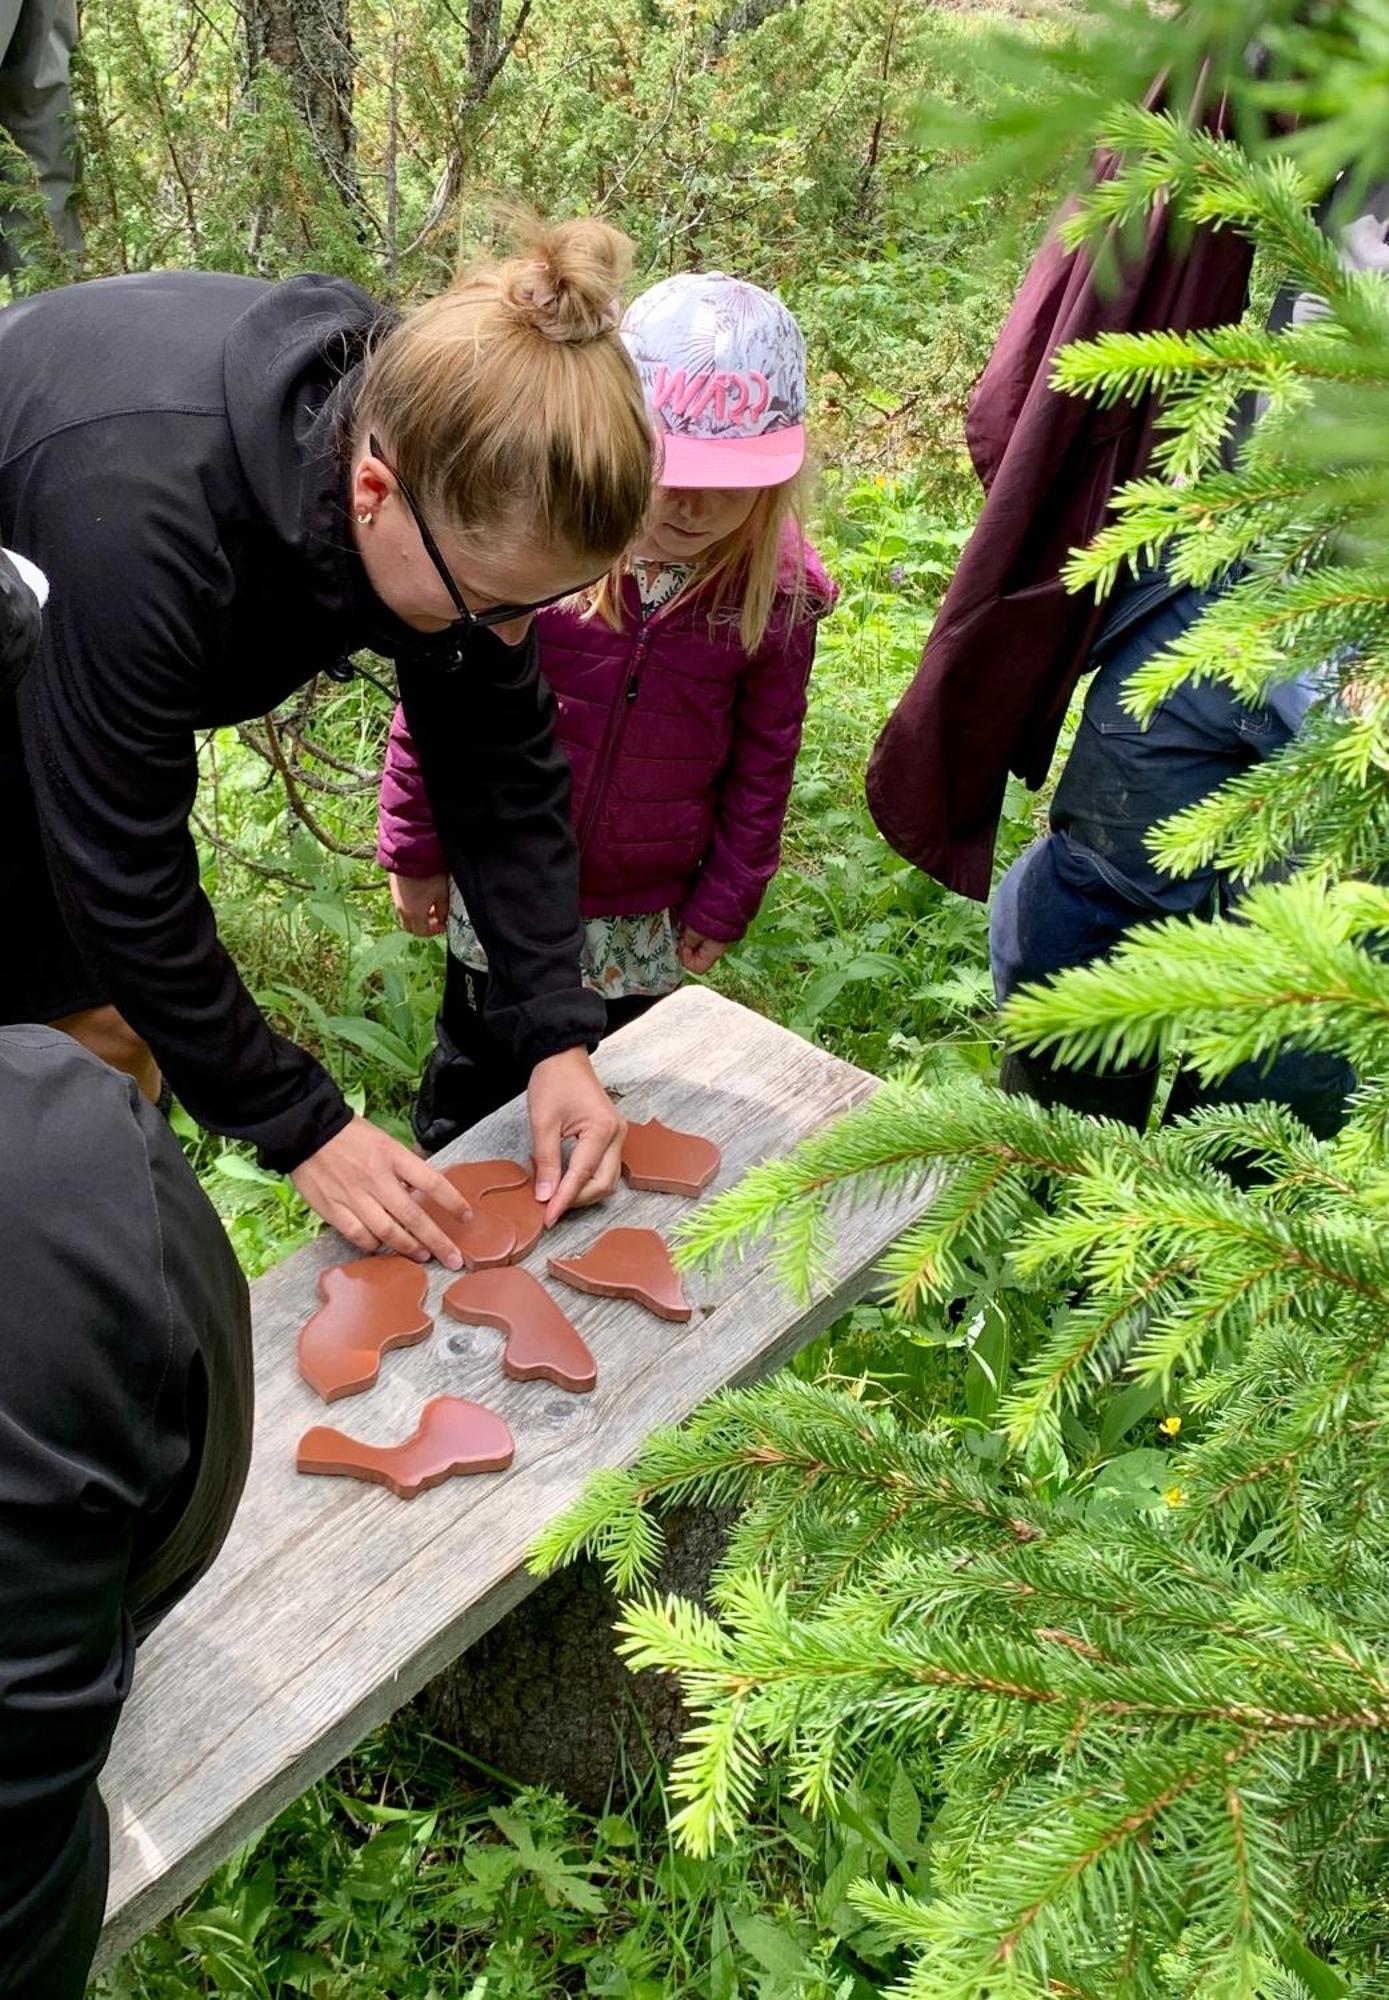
[(454, 1437), (506, 1220), (541, 1341), (368, 1308), (661, 1160), (628, 1264)]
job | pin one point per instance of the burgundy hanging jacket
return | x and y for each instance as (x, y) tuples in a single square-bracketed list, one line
[(1009, 641)]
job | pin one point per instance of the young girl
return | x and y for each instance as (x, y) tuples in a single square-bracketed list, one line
[(681, 689)]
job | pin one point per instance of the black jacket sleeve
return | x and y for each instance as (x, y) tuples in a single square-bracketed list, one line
[(498, 785), (102, 1390), (131, 642)]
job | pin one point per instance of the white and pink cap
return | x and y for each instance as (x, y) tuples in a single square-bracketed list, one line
[(722, 365)]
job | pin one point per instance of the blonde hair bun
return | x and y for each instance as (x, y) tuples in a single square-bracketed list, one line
[(511, 400), (566, 279)]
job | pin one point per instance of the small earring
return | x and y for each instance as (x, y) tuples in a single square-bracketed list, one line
[(365, 517)]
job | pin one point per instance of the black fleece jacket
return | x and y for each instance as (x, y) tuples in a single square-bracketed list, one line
[(125, 1432), (172, 453)]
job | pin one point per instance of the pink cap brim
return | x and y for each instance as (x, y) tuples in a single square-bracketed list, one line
[(767, 460)]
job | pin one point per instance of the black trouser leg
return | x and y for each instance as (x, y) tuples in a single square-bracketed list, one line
[(470, 1073), (126, 1420), (1314, 1083), (1052, 910), (630, 1008), (1125, 1094), (49, 1936)]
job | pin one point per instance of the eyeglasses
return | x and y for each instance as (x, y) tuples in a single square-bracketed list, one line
[(495, 614)]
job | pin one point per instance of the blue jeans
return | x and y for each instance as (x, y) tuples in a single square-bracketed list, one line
[(1055, 909), (1070, 898)]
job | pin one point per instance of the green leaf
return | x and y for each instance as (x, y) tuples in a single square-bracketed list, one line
[(379, 1868), (390, 949), (775, 1948), (1125, 1409), (1322, 1981), (835, 1911), (335, 916), (302, 1972), (987, 1373), (1134, 1483), (374, 1041), (274, 998), (723, 1970), (257, 1898), (824, 990), (236, 1167), (904, 1812)]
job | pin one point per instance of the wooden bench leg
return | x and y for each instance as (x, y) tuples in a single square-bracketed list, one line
[(544, 1695)]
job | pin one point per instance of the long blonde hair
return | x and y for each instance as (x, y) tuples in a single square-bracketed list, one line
[(747, 568), (511, 398)]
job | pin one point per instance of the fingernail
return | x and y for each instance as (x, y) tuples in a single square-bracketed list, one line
[(543, 1190), (454, 1261)]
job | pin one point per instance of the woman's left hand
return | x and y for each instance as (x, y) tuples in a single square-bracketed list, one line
[(697, 952), (567, 1101)]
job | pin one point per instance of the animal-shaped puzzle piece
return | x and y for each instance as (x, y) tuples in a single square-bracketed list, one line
[(540, 1339), (628, 1264), (368, 1308), (658, 1158), (453, 1437), (506, 1220)]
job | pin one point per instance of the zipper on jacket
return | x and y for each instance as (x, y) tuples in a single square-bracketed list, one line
[(621, 707)]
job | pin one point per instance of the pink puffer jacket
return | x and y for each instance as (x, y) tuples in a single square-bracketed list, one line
[(682, 748)]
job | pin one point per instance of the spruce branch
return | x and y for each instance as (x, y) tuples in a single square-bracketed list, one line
[(1291, 969)]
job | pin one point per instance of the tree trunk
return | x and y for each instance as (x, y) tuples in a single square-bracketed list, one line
[(490, 47), (310, 43), (739, 20), (544, 1696)]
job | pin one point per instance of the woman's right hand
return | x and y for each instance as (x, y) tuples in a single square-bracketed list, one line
[(366, 1184), (421, 903)]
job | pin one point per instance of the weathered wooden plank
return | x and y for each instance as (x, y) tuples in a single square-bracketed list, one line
[(333, 1602)]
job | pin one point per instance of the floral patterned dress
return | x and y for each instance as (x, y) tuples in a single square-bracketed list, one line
[(622, 956)]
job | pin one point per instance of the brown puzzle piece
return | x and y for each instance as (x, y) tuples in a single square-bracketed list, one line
[(368, 1307), (540, 1339), (506, 1220), (453, 1437), (519, 1207), (628, 1264), (661, 1160)]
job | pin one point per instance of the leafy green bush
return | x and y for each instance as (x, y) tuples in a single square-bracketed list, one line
[(409, 1874)]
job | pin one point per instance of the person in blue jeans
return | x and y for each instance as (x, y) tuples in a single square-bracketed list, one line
[(1073, 896), (1069, 899)]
